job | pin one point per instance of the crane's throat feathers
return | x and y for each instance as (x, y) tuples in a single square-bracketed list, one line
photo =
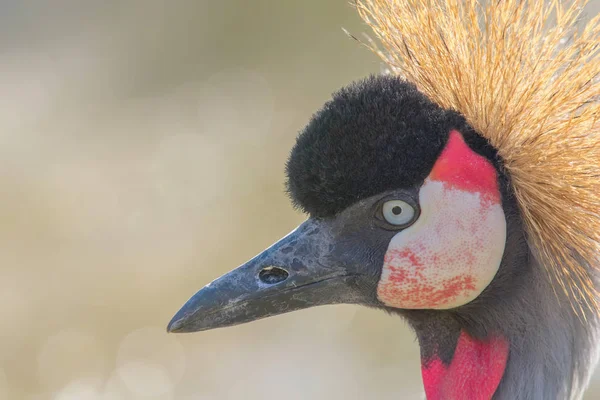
[(453, 251), (474, 372)]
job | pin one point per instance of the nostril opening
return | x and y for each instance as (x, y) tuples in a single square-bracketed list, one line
[(272, 275)]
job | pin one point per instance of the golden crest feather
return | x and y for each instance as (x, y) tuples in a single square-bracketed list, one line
[(525, 77)]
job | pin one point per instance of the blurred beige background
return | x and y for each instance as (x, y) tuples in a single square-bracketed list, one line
[(142, 146)]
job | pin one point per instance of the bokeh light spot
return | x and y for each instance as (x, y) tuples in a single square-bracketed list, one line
[(145, 379), (150, 362), (80, 390), (68, 355)]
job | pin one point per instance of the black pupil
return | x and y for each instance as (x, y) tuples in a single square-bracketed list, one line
[(397, 210)]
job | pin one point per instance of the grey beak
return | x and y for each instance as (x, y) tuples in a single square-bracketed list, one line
[(299, 271)]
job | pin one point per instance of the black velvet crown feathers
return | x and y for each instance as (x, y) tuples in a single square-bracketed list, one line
[(375, 135)]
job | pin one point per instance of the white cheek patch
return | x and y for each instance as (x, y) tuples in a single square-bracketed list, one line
[(448, 256), (453, 251)]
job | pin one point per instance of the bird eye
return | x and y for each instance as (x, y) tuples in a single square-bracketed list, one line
[(398, 212)]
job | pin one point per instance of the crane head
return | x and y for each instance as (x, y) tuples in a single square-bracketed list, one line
[(405, 211)]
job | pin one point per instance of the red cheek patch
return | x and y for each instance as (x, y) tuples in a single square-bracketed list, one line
[(461, 168), (412, 286)]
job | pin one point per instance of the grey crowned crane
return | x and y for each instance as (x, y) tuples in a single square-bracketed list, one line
[(460, 192)]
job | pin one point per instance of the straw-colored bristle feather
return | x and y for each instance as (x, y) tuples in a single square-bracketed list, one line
[(525, 77)]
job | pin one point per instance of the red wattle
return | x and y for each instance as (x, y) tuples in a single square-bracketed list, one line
[(473, 374)]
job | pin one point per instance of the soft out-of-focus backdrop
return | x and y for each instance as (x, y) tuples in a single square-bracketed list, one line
[(142, 146)]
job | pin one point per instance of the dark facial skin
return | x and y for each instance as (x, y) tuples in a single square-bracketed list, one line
[(324, 261)]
